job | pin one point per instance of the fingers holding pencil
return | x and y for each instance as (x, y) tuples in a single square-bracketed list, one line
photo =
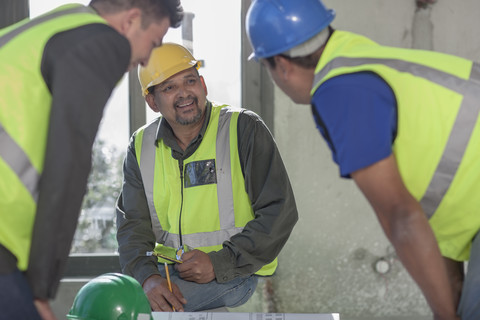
[(177, 298), (160, 297)]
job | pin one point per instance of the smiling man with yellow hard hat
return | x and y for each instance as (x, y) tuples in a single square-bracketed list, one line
[(203, 183)]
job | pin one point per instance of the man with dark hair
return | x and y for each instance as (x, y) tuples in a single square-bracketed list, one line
[(151, 9), (403, 124), (57, 73)]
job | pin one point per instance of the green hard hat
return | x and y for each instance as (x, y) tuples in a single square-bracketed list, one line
[(111, 296)]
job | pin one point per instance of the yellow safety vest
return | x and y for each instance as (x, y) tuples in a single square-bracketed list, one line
[(438, 138), (203, 203), (24, 116)]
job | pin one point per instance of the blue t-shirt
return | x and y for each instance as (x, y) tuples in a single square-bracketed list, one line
[(357, 115)]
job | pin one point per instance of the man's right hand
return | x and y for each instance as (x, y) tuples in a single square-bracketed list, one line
[(160, 297)]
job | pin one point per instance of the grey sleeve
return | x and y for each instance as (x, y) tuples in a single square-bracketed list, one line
[(273, 203), (134, 228), (81, 67)]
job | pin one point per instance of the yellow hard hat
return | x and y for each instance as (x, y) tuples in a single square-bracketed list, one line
[(164, 62)]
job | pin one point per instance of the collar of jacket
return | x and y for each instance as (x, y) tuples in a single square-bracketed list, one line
[(165, 132)]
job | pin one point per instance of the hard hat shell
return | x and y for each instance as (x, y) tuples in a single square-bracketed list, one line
[(111, 296), (275, 26), (164, 62)]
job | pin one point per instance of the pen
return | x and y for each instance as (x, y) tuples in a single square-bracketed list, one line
[(168, 281)]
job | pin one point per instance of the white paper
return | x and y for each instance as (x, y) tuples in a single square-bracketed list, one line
[(242, 316)]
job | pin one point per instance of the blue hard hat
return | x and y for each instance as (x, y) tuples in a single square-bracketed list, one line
[(275, 26)]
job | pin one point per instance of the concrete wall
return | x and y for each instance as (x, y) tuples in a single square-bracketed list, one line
[(328, 264)]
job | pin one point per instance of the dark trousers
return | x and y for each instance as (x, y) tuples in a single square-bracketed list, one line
[(16, 299)]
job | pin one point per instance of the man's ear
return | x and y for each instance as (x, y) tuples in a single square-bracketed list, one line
[(204, 85), (151, 102), (283, 65), (131, 17)]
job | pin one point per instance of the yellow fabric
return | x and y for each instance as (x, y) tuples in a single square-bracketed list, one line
[(199, 209), (426, 114), (24, 114)]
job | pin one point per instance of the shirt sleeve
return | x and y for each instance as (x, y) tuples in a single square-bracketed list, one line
[(357, 115), (268, 187), (134, 228), (80, 67)]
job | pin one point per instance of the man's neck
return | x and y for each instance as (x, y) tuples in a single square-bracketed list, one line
[(185, 137), (186, 134)]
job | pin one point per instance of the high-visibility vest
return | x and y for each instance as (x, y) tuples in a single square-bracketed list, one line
[(24, 117), (438, 138), (203, 202)]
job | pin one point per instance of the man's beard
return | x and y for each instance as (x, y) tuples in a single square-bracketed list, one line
[(189, 119)]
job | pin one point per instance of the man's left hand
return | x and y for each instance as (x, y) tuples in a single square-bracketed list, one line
[(196, 267)]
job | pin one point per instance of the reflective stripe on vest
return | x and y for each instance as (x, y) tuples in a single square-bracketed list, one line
[(10, 151), (463, 126), (16, 158), (24, 116), (224, 189)]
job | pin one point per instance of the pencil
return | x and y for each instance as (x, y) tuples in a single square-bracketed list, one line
[(168, 280)]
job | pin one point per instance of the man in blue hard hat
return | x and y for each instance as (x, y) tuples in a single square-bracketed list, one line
[(402, 124)]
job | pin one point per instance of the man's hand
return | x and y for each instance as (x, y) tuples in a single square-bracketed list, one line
[(43, 308), (196, 267), (160, 297)]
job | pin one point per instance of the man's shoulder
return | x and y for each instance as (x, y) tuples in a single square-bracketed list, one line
[(246, 117), (249, 115), (95, 44), (86, 32)]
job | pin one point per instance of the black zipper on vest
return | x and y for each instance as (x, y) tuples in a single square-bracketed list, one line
[(180, 165)]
